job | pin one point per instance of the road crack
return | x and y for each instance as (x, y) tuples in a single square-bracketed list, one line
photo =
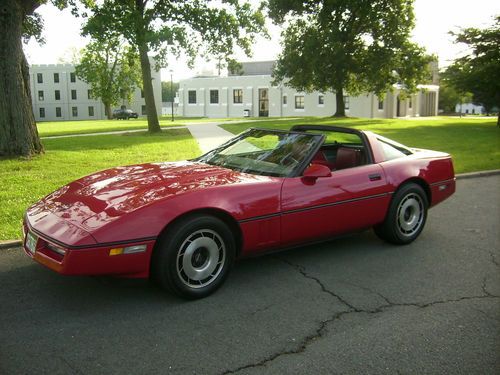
[(494, 260), (351, 309)]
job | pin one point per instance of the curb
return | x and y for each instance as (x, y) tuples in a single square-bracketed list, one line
[(464, 176), (461, 176), (10, 244)]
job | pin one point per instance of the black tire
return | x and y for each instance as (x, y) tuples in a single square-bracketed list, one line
[(194, 256), (406, 217)]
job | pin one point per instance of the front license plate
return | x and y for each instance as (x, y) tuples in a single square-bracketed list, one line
[(31, 241)]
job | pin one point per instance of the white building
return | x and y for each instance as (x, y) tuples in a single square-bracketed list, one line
[(251, 94), (57, 95), (470, 108)]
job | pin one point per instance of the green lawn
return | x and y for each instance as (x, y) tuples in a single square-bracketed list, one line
[(24, 182), (473, 143), (53, 128)]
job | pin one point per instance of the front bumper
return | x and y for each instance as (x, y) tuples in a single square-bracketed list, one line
[(89, 260)]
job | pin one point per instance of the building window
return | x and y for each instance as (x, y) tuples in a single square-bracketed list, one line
[(58, 112), (299, 102), (39, 77), (214, 96), (89, 94), (56, 77), (321, 99), (40, 95), (74, 111), (346, 102), (57, 95), (410, 102), (142, 93), (192, 96), (143, 110), (72, 77), (285, 100), (237, 96), (380, 104), (42, 112), (73, 94), (91, 111)]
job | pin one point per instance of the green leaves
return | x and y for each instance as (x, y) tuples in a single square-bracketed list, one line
[(112, 69), (348, 45), (191, 27), (478, 72)]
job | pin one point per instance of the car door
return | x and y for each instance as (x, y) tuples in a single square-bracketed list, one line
[(350, 199)]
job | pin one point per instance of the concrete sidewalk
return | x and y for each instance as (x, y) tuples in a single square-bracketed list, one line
[(209, 135)]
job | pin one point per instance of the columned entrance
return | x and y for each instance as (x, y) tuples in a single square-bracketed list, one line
[(263, 103)]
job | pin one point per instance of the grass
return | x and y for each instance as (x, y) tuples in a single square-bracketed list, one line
[(473, 143), (54, 128), (26, 181)]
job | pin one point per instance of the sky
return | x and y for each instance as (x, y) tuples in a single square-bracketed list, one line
[(434, 19)]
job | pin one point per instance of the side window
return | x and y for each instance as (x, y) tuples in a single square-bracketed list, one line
[(390, 152)]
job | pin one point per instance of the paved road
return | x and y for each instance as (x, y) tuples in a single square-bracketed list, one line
[(354, 305)]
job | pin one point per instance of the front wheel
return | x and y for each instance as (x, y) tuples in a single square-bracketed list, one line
[(194, 256), (406, 217)]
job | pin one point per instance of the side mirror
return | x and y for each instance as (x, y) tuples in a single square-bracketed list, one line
[(315, 171)]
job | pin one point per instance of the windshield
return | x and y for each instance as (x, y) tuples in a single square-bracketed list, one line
[(265, 152)]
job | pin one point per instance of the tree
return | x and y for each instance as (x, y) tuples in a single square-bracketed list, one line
[(191, 26), (449, 96), (19, 21), (479, 70), (167, 91), (18, 132), (348, 46), (111, 68)]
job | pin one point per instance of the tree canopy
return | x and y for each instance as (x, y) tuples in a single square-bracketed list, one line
[(348, 47), (111, 68), (449, 96), (478, 71), (192, 27)]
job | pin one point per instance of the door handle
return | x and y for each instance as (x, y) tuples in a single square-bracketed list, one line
[(375, 177)]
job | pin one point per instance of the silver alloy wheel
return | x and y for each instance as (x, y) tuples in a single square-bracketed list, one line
[(410, 214), (200, 258)]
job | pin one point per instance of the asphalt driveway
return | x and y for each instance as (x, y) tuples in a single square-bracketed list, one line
[(353, 305)]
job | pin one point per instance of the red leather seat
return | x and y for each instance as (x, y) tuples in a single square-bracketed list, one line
[(347, 158), (320, 158)]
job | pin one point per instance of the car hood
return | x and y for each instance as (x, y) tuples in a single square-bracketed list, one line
[(107, 195)]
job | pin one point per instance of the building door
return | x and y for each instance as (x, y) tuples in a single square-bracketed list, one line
[(398, 107), (263, 103)]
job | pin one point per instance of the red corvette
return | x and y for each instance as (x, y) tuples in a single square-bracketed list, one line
[(184, 223)]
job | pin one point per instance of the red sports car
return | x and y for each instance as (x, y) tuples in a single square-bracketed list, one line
[(184, 223)]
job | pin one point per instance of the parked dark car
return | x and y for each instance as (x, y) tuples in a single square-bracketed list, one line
[(124, 114)]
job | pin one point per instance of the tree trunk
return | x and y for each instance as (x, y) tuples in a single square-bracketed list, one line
[(18, 132), (153, 124), (147, 84), (339, 98), (107, 110)]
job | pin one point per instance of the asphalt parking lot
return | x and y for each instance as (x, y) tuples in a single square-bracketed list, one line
[(349, 306)]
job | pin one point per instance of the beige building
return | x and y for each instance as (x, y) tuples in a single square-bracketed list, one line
[(58, 95), (251, 94)]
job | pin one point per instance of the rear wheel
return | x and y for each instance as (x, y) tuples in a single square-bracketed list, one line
[(406, 217), (193, 258)]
